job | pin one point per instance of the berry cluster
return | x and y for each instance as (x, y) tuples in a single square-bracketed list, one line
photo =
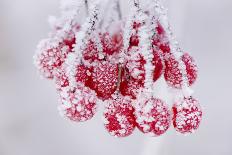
[(118, 66)]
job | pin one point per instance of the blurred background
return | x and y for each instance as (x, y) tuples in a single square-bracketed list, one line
[(31, 125)]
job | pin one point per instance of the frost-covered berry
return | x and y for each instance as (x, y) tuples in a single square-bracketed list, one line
[(187, 115), (191, 68), (112, 43), (77, 105), (173, 73), (157, 62), (152, 116), (91, 52), (105, 78), (119, 117), (50, 56)]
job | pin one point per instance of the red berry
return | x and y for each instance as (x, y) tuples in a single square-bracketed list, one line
[(91, 52), (112, 43), (187, 115), (119, 117), (78, 105), (153, 116), (191, 68), (105, 78), (157, 62), (173, 74), (51, 55)]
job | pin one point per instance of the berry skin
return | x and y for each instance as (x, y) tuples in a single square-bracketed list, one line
[(105, 78), (50, 56), (78, 105), (157, 62), (173, 74), (153, 117), (119, 117), (187, 115)]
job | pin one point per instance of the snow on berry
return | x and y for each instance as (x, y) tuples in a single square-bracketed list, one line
[(105, 78), (152, 116), (187, 115), (79, 104), (91, 53), (119, 117), (61, 78), (50, 56), (173, 74)]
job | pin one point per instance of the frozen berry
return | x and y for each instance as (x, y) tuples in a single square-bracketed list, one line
[(119, 117), (173, 73), (153, 116), (105, 78), (50, 56), (187, 115), (79, 104)]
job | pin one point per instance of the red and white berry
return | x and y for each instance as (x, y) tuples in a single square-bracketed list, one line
[(50, 56), (119, 119), (187, 115), (78, 105), (152, 116), (105, 78), (173, 73)]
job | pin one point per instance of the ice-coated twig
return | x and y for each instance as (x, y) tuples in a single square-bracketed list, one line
[(145, 34)]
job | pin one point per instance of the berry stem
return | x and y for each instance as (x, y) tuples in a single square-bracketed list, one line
[(119, 76)]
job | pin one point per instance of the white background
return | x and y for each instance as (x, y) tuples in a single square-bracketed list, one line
[(31, 125)]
